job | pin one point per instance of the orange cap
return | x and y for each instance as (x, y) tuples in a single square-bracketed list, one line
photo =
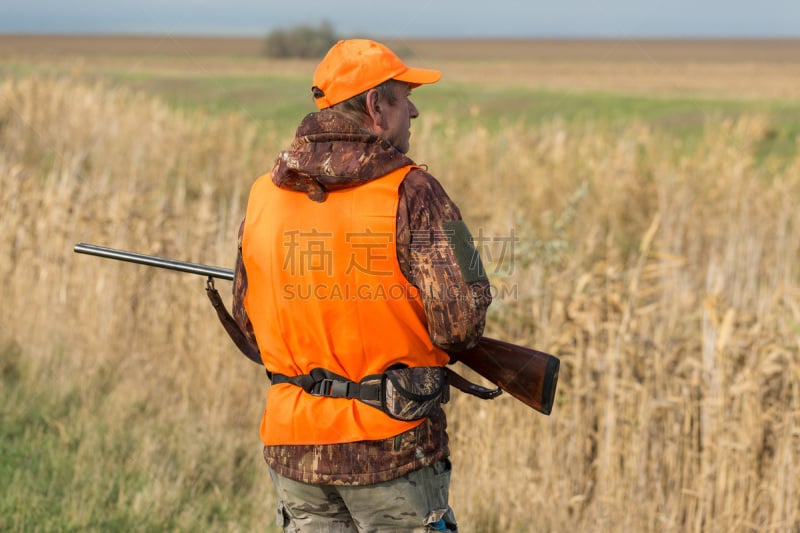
[(356, 65)]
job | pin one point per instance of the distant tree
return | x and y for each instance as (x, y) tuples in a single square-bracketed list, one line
[(300, 41)]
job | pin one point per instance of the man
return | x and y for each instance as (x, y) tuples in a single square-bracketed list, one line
[(356, 278)]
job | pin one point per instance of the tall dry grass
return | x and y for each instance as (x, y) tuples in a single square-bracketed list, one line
[(664, 275), (666, 278), (156, 390)]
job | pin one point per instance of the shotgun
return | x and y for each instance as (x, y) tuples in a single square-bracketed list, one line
[(528, 375)]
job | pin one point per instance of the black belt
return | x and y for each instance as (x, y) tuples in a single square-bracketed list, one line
[(321, 382)]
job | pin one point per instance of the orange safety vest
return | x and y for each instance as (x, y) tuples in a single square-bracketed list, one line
[(325, 290)]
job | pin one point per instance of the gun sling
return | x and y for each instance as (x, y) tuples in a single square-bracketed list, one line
[(230, 325)]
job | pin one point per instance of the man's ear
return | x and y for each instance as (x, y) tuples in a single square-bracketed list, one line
[(374, 108)]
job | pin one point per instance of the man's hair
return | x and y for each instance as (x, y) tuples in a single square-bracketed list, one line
[(356, 107)]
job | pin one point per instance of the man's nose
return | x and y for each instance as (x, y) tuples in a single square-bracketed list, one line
[(413, 112)]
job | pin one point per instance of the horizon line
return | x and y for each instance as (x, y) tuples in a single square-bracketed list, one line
[(554, 37)]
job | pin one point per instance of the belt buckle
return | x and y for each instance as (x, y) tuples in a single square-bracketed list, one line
[(323, 388), (333, 388)]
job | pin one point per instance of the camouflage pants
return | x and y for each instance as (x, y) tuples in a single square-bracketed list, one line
[(416, 502)]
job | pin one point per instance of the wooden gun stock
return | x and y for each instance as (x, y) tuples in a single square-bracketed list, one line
[(528, 375)]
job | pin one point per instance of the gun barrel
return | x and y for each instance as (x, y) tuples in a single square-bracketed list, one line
[(154, 261)]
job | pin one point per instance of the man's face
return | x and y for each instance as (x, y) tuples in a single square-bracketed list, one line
[(396, 125)]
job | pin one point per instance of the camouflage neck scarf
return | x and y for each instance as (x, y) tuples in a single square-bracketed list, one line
[(331, 152)]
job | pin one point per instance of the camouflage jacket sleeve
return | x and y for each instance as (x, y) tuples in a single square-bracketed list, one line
[(239, 290), (454, 290)]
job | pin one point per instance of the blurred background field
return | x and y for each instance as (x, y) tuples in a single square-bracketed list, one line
[(652, 188), (671, 84)]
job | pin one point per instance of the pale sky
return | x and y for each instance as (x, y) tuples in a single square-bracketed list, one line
[(411, 18)]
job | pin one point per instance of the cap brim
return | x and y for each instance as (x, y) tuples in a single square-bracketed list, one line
[(419, 76)]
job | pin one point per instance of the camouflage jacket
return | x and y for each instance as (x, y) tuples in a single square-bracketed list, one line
[(330, 152)]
